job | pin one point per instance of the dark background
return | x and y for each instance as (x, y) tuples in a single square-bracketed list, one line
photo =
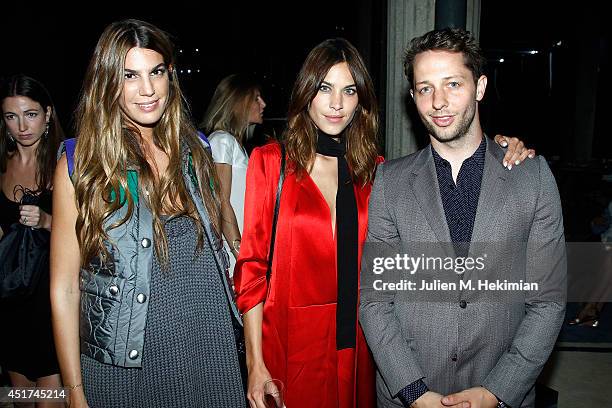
[(268, 41), (556, 99)]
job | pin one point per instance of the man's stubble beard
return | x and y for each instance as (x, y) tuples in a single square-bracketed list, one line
[(463, 127)]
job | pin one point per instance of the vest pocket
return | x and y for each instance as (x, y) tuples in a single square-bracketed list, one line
[(100, 299)]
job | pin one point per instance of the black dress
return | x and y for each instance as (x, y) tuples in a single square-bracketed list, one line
[(26, 338)]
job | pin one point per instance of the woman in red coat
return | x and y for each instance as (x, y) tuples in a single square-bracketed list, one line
[(302, 327), (306, 333)]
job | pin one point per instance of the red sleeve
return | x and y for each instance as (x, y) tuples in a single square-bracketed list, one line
[(261, 183)]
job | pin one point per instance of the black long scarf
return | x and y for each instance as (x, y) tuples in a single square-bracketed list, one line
[(347, 244)]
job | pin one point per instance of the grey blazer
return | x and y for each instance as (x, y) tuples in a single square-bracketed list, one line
[(473, 340)]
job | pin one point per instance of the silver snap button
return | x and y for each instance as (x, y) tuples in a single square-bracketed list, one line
[(141, 298), (133, 354), (146, 242), (113, 289)]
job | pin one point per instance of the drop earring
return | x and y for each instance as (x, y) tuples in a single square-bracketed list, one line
[(46, 131)]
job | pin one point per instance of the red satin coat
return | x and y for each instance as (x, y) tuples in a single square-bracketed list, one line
[(299, 317)]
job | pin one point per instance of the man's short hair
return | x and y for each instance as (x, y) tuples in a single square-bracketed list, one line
[(447, 39)]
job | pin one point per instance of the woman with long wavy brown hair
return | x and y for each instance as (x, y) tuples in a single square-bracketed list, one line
[(143, 313), (306, 333)]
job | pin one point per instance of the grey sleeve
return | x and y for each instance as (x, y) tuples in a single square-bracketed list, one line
[(518, 368)]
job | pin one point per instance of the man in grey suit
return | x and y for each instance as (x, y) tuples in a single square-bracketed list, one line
[(474, 346)]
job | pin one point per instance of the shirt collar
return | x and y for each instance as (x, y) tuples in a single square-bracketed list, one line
[(478, 157)]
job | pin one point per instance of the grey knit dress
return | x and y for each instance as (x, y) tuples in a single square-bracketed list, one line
[(189, 355)]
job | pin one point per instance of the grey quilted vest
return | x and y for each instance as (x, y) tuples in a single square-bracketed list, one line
[(115, 294)]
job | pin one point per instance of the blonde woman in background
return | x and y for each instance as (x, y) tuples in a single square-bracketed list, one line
[(235, 105)]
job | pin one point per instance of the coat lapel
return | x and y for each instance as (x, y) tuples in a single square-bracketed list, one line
[(492, 192), (427, 192)]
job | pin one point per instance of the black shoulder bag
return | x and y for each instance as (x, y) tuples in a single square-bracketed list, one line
[(279, 189), (24, 252)]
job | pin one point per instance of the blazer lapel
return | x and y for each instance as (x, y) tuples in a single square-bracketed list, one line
[(492, 192), (427, 192)]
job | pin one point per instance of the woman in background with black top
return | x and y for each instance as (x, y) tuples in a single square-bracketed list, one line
[(29, 138)]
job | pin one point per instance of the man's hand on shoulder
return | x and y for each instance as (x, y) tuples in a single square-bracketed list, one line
[(477, 397)]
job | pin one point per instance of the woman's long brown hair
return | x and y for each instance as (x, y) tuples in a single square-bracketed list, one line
[(361, 133), (108, 145)]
